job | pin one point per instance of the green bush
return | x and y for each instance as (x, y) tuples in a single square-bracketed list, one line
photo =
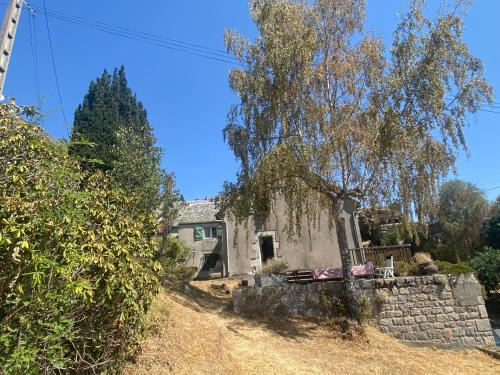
[(77, 265), (405, 269), (487, 266), (447, 268), (173, 255)]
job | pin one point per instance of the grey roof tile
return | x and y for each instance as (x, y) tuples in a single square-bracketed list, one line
[(197, 211)]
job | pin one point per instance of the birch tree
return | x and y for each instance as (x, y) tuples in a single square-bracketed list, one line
[(326, 114)]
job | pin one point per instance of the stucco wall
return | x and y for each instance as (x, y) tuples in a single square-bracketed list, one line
[(200, 248), (316, 246), (439, 310)]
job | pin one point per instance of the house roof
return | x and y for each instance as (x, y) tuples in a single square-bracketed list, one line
[(197, 211)]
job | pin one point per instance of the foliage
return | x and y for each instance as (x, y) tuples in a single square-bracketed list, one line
[(447, 268), (78, 271), (324, 116), (274, 266), (173, 255), (111, 132), (463, 208), (491, 233), (406, 269), (495, 207), (137, 169), (108, 106), (487, 265)]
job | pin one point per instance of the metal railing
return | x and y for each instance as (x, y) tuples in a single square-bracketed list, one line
[(378, 254)]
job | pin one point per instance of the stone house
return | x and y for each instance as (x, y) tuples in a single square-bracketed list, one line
[(198, 226), (220, 244)]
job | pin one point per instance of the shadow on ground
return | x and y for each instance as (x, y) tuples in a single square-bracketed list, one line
[(218, 301)]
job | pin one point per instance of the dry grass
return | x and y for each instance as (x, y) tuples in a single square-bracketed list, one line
[(196, 333), (422, 258)]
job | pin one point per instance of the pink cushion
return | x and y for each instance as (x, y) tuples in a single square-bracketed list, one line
[(336, 273)]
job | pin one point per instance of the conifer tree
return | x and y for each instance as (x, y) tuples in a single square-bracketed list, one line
[(108, 106), (111, 132)]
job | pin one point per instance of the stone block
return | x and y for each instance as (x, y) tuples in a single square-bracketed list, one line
[(483, 325), (420, 319), (440, 279), (422, 336), (410, 337), (426, 326), (482, 312), (442, 318), (428, 289), (409, 320), (397, 314), (415, 311), (472, 315), (447, 334), (469, 341), (437, 310), (397, 321), (385, 322)]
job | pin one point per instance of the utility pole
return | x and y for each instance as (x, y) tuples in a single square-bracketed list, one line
[(8, 35)]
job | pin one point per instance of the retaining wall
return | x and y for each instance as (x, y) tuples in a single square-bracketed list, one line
[(439, 310)]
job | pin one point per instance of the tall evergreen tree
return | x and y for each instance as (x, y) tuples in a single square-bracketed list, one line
[(108, 106), (111, 132)]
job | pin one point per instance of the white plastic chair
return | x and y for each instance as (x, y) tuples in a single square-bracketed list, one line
[(387, 271)]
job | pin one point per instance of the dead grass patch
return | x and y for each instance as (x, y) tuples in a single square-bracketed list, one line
[(195, 333)]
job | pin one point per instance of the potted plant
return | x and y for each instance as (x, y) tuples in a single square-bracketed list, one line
[(273, 273), (425, 264)]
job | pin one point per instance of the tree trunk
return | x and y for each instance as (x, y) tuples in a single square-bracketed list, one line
[(345, 256)]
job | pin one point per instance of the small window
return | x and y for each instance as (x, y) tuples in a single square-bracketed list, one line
[(211, 232)]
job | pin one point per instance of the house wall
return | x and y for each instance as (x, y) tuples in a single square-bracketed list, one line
[(202, 247), (316, 245)]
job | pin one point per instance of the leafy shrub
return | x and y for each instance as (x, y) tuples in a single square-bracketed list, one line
[(173, 255), (448, 268), (487, 266), (274, 266), (78, 271), (405, 269)]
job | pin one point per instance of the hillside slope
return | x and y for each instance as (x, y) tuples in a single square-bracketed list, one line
[(196, 333)]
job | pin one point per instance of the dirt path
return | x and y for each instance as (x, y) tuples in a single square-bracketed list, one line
[(196, 333)]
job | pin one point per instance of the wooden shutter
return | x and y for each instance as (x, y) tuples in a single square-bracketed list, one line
[(198, 233)]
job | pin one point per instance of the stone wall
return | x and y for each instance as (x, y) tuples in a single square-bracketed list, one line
[(439, 310)]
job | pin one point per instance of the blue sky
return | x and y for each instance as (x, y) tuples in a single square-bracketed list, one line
[(187, 97)]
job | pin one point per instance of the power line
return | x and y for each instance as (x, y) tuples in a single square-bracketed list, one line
[(144, 40), (55, 69), (493, 188), (168, 43), (136, 32)]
